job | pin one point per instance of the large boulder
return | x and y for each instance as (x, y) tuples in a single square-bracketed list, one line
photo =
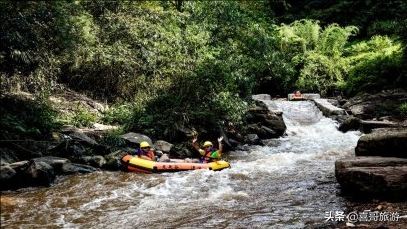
[(327, 108), (369, 107), (7, 176), (20, 166), (95, 160), (264, 122), (253, 139), (134, 139), (82, 137), (68, 148), (73, 168), (383, 142), (163, 146), (369, 126), (113, 160), (26, 173), (373, 176), (78, 135), (56, 162), (350, 123), (38, 174)]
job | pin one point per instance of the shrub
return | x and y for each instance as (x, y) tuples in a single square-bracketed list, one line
[(316, 54), (80, 118), (26, 118), (119, 113), (403, 109), (375, 65)]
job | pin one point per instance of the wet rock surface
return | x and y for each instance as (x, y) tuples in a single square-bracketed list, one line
[(376, 176), (264, 122), (383, 142), (377, 106)]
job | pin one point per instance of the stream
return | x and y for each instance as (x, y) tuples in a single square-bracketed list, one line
[(288, 183)]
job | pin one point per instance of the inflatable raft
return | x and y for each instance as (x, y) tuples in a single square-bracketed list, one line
[(136, 164), (297, 98)]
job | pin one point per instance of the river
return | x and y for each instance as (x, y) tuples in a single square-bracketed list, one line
[(288, 183)]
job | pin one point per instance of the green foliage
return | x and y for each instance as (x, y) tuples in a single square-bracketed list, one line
[(119, 113), (300, 36), (320, 72), (26, 118), (34, 35), (334, 38), (83, 118), (187, 106), (403, 109), (113, 139), (372, 18), (375, 65), (80, 118), (170, 65), (316, 54)]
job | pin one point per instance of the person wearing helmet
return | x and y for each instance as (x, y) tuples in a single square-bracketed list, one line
[(297, 95), (147, 153), (209, 154)]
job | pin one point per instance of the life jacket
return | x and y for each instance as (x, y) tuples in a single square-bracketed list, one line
[(148, 154), (206, 156)]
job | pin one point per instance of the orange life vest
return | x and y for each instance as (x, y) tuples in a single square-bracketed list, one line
[(206, 156), (148, 154)]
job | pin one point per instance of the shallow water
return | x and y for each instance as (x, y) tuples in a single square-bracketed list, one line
[(289, 183)]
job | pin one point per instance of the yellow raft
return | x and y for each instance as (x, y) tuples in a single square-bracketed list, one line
[(136, 164)]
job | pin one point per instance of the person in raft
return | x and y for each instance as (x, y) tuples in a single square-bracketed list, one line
[(147, 153), (209, 154), (297, 94)]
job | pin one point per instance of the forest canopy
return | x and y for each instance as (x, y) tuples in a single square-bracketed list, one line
[(166, 65)]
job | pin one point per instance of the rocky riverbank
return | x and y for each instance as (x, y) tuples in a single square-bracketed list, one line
[(379, 168)]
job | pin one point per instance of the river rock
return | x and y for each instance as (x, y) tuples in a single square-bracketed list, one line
[(369, 107), (383, 142), (20, 165), (163, 146), (263, 122), (78, 135), (113, 160), (27, 173), (276, 123), (368, 126), (134, 139), (56, 162), (261, 97), (39, 174), (253, 139), (375, 176), (68, 148), (7, 177), (73, 168), (96, 160), (7, 173), (327, 108), (80, 138), (350, 123)]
